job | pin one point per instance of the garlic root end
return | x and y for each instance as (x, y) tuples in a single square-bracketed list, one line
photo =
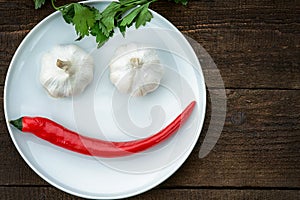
[(65, 65), (136, 62)]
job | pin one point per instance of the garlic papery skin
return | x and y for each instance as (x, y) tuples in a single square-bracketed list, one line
[(66, 70), (136, 69)]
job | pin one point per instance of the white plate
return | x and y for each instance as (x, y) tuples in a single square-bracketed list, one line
[(101, 109)]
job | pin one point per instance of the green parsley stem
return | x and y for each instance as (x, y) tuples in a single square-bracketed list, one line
[(60, 7)]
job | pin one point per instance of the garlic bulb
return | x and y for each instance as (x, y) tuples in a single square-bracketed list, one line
[(136, 69), (66, 70)]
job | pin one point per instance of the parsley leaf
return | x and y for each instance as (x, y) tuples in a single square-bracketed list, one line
[(108, 16), (184, 2), (83, 24), (129, 19), (101, 38), (144, 16), (121, 14), (68, 13), (38, 3)]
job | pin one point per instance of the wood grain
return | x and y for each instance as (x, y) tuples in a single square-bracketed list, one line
[(261, 149), (253, 43), (49, 193), (252, 49), (256, 47)]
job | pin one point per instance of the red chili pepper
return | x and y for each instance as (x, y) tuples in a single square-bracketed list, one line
[(57, 134)]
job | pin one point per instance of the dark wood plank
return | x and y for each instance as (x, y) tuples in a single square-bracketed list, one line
[(260, 150), (259, 69), (198, 194), (252, 49), (12, 167), (204, 13), (17, 15), (9, 44), (49, 193), (253, 43)]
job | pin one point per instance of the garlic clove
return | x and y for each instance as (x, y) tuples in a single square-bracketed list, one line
[(149, 80), (123, 84), (136, 70), (66, 70)]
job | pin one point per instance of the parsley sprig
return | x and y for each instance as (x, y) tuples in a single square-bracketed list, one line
[(121, 14)]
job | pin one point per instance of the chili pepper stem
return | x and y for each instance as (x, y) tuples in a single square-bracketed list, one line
[(17, 123)]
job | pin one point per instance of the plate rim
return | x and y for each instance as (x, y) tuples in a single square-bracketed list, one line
[(150, 186)]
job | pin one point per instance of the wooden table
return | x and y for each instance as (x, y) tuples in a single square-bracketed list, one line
[(255, 45)]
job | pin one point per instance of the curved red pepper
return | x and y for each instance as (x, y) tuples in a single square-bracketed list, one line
[(57, 134)]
